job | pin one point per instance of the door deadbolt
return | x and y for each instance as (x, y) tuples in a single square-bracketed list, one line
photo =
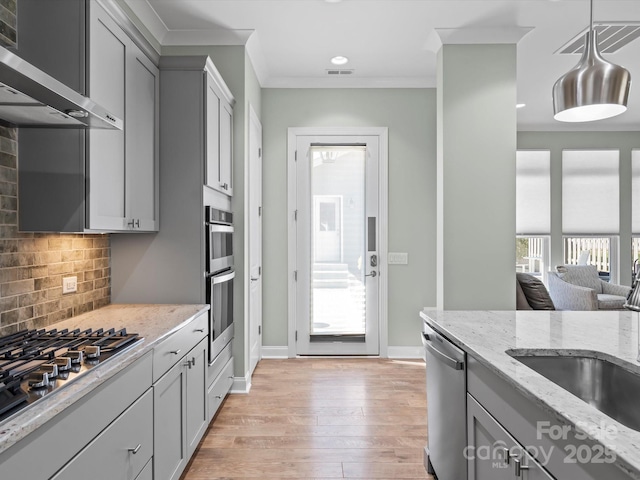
[(373, 261)]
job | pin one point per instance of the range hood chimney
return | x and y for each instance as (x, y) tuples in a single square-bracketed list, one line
[(31, 98)]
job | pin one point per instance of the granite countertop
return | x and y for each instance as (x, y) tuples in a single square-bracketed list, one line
[(152, 322), (613, 335)]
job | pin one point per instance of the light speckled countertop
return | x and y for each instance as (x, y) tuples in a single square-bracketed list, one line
[(487, 335), (152, 322)]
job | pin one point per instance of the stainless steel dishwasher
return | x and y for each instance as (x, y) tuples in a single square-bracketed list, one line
[(446, 407)]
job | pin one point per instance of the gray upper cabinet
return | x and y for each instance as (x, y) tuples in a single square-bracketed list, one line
[(219, 133), (93, 180)]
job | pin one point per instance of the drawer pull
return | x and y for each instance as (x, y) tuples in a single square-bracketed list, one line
[(135, 450), (218, 397), (199, 330), (175, 352)]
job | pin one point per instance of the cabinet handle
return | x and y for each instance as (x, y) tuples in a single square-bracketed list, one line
[(224, 186), (134, 223), (517, 463), (135, 450), (506, 455), (218, 397), (175, 352), (199, 330), (188, 364)]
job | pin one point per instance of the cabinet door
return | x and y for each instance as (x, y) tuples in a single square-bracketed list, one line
[(169, 420), (141, 200), (492, 453), (121, 451), (196, 395), (226, 148), (212, 129), (106, 163)]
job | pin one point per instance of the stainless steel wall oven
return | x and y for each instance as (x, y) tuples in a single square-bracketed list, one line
[(220, 274)]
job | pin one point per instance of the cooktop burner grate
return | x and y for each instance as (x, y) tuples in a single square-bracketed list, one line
[(34, 363)]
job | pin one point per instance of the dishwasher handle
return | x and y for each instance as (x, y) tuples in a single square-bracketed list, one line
[(447, 360)]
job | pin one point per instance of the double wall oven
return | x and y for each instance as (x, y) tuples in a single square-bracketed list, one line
[(220, 274)]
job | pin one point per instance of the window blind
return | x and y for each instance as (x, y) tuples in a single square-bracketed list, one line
[(533, 192), (590, 192), (635, 192)]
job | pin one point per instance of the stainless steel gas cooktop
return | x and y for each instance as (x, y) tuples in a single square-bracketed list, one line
[(36, 363)]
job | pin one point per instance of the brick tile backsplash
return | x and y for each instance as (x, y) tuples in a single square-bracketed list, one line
[(32, 265)]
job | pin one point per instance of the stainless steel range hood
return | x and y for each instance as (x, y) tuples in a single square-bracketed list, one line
[(31, 98)]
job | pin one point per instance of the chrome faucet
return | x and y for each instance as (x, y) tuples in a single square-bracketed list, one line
[(633, 299)]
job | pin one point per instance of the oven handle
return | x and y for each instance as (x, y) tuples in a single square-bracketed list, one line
[(216, 279), (216, 228)]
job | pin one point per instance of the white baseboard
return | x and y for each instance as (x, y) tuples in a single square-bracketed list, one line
[(405, 352), (241, 385), (392, 352), (275, 352)]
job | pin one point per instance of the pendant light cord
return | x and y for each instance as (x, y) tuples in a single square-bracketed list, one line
[(591, 16)]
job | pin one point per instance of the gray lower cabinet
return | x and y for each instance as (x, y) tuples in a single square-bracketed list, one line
[(121, 451), (180, 416), (102, 426), (492, 453)]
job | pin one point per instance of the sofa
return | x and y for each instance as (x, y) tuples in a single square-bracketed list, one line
[(579, 287)]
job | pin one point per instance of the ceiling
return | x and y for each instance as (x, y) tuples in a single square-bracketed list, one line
[(394, 43)]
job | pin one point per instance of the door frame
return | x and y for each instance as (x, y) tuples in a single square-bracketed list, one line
[(383, 213), (254, 328)]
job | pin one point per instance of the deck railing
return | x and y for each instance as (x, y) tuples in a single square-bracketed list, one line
[(599, 251)]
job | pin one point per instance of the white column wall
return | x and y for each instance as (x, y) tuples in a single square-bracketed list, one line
[(476, 139)]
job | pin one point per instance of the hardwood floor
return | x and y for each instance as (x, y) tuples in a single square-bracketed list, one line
[(320, 418)]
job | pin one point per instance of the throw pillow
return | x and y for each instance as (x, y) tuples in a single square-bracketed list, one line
[(535, 291)]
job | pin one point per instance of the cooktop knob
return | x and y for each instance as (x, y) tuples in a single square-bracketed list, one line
[(51, 369), (38, 379), (63, 363), (92, 351)]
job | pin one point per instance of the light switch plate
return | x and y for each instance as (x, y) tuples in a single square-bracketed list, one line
[(396, 258), (69, 285)]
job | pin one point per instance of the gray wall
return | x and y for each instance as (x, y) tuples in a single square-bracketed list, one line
[(410, 115), (558, 141)]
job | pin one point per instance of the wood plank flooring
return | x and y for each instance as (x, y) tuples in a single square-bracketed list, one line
[(320, 418)]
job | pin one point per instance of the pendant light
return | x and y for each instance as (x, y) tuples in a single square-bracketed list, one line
[(594, 89)]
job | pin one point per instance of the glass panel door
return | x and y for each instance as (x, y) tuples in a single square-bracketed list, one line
[(337, 258)]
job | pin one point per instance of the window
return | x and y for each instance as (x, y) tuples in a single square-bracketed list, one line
[(635, 210), (532, 256), (533, 211), (591, 209), (596, 251)]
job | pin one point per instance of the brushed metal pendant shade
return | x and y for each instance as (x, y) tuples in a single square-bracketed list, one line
[(594, 89)]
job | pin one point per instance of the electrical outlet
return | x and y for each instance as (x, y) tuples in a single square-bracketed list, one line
[(396, 258), (69, 284)]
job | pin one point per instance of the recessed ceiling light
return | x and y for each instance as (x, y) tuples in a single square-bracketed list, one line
[(333, 1), (339, 60), (521, 105)]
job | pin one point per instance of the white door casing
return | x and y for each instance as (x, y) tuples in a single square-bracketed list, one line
[(312, 213), (255, 240)]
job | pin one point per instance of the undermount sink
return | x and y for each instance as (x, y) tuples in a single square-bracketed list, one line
[(609, 387)]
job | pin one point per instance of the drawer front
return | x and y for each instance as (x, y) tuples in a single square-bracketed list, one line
[(121, 451), (177, 345), (78, 425), (218, 364), (219, 389), (147, 472)]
